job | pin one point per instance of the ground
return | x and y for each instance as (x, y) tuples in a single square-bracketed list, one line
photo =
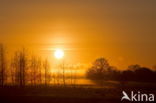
[(60, 94)]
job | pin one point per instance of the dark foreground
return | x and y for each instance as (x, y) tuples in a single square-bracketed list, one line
[(48, 99), (66, 94)]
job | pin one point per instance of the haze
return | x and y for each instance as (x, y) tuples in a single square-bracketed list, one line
[(123, 31)]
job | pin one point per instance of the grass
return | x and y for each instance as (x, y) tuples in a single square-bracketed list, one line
[(68, 94)]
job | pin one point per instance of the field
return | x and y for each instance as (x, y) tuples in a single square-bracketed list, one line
[(70, 94)]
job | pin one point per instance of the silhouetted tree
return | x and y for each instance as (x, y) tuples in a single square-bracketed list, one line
[(2, 66), (128, 75), (20, 65), (63, 72), (13, 70), (39, 68), (46, 67), (102, 71), (139, 74), (145, 74), (71, 68), (99, 68), (134, 67), (35, 71)]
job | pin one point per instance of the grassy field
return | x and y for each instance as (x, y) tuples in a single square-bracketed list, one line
[(60, 94)]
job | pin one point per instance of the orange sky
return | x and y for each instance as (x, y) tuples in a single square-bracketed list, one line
[(121, 31)]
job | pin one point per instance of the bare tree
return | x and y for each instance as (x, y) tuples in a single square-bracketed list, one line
[(2, 65), (20, 64), (13, 71), (75, 76), (46, 67), (39, 69), (63, 73), (71, 74), (35, 71)]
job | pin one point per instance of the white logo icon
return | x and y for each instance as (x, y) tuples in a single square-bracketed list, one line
[(125, 96)]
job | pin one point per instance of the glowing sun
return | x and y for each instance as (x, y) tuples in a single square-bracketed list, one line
[(59, 53)]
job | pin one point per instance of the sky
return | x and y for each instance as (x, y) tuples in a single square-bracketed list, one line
[(122, 31)]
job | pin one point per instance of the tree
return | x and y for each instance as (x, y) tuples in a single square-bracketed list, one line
[(134, 67), (35, 71), (138, 73), (13, 71), (101, 71), (20, 65), (39, 69), (62, 66), (46, 67), (144, 74), (2, 65), (99, 68)]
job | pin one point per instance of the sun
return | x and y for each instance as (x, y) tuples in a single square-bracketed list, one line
[(59, 53)]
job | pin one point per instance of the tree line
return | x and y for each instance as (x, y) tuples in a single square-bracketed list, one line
[(102, 70), (20, 70), (23, 69)]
